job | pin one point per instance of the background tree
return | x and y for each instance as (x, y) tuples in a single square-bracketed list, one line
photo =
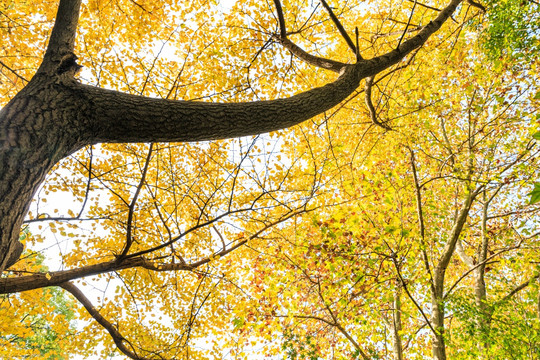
[(452, 177)]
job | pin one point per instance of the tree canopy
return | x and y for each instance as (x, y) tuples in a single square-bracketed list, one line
[(288, 179)]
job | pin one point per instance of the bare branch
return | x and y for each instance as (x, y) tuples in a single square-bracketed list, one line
[(477, 266), (336, 323), (420, 214), (518, 288), (477, 5), (328, 64), (424, 5), (413, 29), (408, 24), (406, 288), (306, 57)]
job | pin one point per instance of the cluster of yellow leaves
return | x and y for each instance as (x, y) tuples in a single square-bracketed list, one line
[(36, 324)]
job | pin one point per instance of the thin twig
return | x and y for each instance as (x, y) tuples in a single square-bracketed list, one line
[(129, 231), (407, 26), (424, 5), (13, 71)]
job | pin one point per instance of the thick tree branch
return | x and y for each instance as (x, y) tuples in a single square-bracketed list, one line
[(119, 117), (55, 278), (415, 42), (85, 115), (450, 246), (281, 19), (477, 5), (117, 337), (306, 57), (62, 40)]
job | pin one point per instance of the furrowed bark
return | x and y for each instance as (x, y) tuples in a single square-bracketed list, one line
[(38, 127), (62, 40), (122, 117)]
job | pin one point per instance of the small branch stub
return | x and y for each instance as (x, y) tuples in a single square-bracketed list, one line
[(69, 65)]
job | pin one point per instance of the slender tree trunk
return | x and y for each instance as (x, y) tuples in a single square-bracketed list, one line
[(484, 312), (396, 325), (437, 291), (437, 318)]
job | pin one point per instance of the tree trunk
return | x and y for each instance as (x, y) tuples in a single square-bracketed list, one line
[(437, 318), (38, 127), (396, 325)]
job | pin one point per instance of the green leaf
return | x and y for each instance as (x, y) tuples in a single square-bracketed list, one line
[(238, 322), (535, 194), (537, 135)]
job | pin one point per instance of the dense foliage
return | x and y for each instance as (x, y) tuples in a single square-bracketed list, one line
[(339, 238)]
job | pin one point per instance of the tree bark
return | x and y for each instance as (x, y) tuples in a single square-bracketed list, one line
[(397, 347), (437, 293), (54, 115), (484, 313)]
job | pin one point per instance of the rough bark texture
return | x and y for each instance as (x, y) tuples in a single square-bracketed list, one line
[(54, 115), (38, 127)]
